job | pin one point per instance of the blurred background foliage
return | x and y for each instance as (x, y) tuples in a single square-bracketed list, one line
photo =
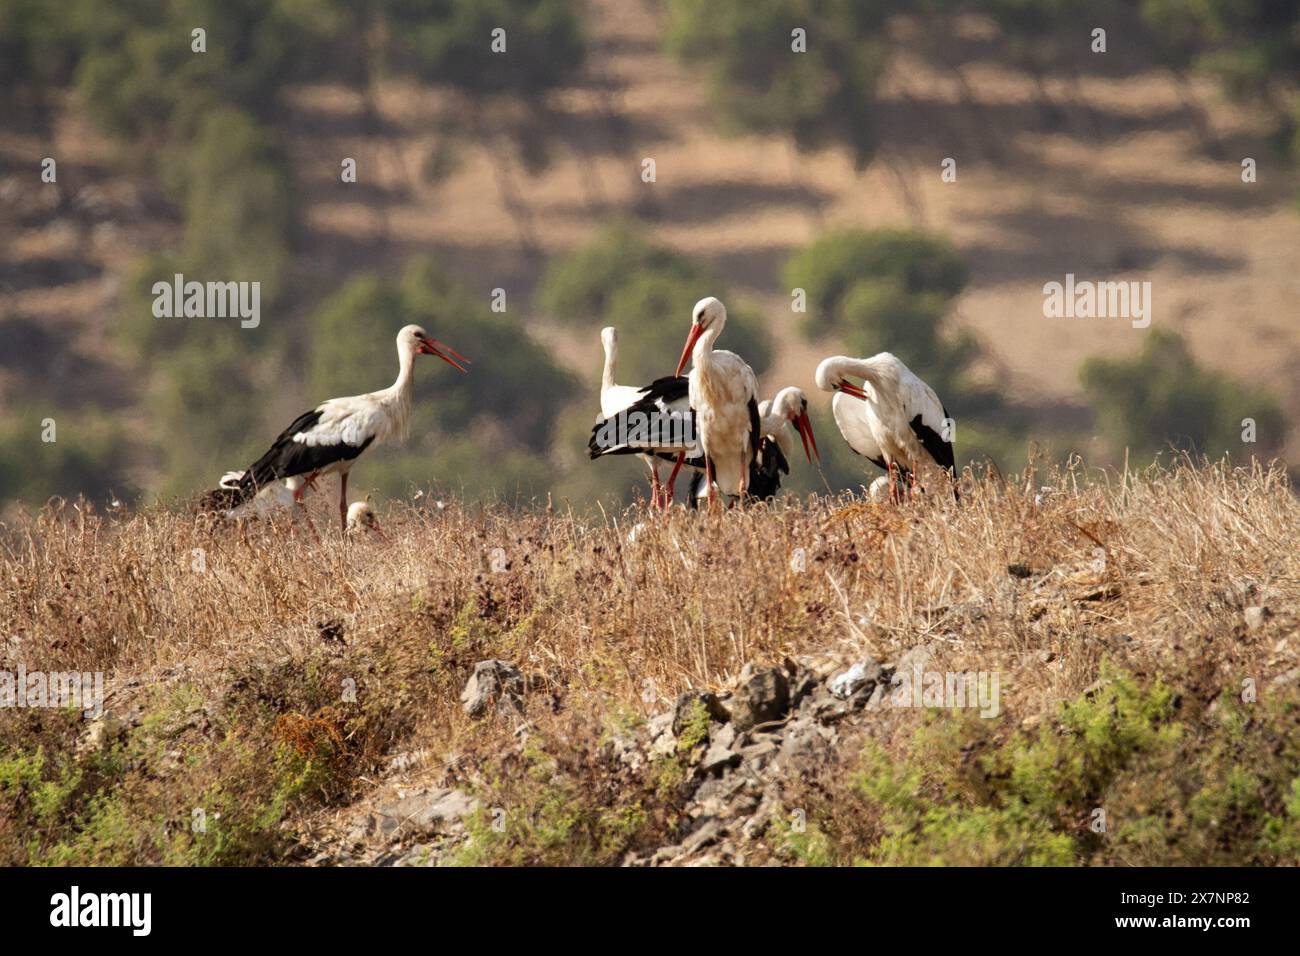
[(824, 97), (210, 131), (621, 278), (1181, 405)]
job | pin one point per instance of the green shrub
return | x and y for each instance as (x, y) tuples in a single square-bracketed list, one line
[(1164, 397), (897, 265), (90, 456), (1122, 775)]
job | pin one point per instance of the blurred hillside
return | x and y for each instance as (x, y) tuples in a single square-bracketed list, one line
[(523, 172)]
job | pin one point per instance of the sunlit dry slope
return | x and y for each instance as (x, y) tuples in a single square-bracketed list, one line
[(942, 682)]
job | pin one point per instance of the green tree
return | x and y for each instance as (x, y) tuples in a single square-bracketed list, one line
[(911, 263), (449, 41), (1251, 46), (821, 97), (141, 78), (646, 291), (890, 290), (1163, 397)]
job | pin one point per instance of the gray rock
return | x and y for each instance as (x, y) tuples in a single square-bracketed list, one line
[(803, 740), (802, 686), (864, 674), (763, 696), (492, 682), (658, 724), (759, 755), (709, 830), (102, 732), (424, 813), (914, 659), (684, 712), (720, 754)]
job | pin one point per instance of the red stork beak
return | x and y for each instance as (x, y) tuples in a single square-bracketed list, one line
[(804, 424), (696, 331), (849, 388), (431, 346)]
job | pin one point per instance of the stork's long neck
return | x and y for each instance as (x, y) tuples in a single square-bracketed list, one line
[(880, 380), (398, 399), (611, 366), (702, 355)]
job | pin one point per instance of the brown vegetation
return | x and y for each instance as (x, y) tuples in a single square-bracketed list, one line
[(228, 649)]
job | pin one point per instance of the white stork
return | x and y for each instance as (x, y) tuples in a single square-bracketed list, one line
[(724, 397), (328, 439), (666, 411), (901, 424), (779, 419)]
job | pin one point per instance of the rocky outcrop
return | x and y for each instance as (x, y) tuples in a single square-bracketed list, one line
[(741, 751)]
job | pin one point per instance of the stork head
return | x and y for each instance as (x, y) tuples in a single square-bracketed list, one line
[(413, 340), (831, 377), (792, 405), (709, 314)]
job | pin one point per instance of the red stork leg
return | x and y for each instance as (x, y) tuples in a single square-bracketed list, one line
[(297, 498), (672, 479), (343, 501), (306, 485), (708, 476)]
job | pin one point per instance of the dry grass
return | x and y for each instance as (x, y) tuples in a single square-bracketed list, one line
[(261, 626)]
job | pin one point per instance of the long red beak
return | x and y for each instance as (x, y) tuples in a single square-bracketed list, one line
[(432, 346), (804, 424), (849, 388), (696, 332)]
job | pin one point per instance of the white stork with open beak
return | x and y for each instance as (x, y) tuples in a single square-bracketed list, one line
[(724, 396), (328, 439), (902, 425), (663, 407)]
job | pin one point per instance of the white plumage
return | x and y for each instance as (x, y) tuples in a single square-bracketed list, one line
[(328, 439), (724, 396), (780, 419), (898, 421), (666, 399)]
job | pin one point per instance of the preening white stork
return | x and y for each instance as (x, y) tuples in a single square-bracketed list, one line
[(779, 419), (724, 397), (895, 419), (663, 407), (328, 439)]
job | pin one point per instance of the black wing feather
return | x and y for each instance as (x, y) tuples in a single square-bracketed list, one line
[(939, 449), (285, 459), (670, 388), (765, 474)]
